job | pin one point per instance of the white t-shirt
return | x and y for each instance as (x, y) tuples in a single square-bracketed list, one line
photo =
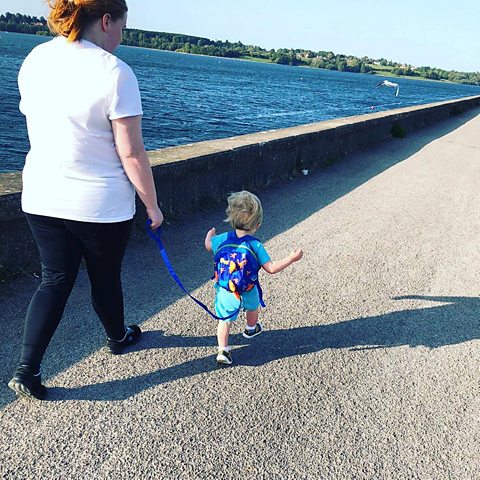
[(69, 93)]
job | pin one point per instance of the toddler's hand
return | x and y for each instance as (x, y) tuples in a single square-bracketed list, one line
[(296, 255), (211, 233)]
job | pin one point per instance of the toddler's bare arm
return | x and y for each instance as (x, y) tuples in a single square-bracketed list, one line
[(208, 239), (279, 265)]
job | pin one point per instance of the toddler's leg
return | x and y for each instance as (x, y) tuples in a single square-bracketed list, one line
[(223, 331), (226, 305), (254, 328), (224, 356), (252, 318)]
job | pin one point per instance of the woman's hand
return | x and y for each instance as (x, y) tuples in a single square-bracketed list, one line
[(156, 217)]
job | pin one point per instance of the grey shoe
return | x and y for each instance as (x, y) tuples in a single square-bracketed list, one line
[(258, 330), (224, 358)]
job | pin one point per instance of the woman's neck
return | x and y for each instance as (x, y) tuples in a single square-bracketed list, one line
[(94, 34)]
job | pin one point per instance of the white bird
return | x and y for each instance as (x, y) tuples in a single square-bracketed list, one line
[(386, 83)]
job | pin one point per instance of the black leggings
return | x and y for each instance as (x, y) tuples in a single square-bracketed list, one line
[(62, 244)]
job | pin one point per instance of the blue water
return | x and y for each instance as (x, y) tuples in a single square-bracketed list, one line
[(189, 98)]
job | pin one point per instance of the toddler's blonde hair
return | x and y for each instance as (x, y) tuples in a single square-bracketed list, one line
[(244, 211)]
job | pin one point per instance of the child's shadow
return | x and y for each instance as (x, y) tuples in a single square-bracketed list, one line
[(457, 321)]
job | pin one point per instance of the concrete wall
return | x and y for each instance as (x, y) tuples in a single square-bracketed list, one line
[(199, 175)]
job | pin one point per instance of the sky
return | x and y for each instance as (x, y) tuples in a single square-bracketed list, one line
[(435, 33)]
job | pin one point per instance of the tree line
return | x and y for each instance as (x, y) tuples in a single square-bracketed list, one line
[(16, 22), (204, 46)]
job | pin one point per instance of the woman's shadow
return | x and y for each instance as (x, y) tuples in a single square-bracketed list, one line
[(455, 321)]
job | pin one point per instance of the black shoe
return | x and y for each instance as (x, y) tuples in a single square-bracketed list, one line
[(224, 358), (27, 384), (250, 334), (132, 336)]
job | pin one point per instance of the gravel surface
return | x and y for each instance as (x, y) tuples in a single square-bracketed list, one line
[(368, 367)]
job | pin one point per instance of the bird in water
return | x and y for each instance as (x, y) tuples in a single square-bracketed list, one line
[(386, 83)]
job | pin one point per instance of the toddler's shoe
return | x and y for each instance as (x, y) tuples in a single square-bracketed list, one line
[(132, 336), (224, 358), (25, 383), (253, 333)]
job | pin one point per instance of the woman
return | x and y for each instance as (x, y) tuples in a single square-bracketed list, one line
[(86, 159)]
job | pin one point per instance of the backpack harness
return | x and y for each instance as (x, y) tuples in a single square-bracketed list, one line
[(236, 266)]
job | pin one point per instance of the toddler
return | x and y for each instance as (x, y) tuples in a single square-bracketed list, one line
[(245, 214)]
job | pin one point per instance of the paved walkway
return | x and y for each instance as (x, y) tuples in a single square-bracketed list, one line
[(368, 369)]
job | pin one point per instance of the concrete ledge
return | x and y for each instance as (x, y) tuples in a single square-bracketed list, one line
[(197, 176)]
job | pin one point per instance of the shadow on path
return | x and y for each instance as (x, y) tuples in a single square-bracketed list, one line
[(453, 323)]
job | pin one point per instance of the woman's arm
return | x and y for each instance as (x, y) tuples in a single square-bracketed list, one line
[(276, 267), (127, 133)]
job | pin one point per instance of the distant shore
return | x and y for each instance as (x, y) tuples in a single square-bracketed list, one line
[(375, 70)]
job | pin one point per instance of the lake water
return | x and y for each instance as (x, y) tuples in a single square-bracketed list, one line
[(190, 98)]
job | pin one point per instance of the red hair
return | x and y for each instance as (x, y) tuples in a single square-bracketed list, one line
[(69, 18)]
